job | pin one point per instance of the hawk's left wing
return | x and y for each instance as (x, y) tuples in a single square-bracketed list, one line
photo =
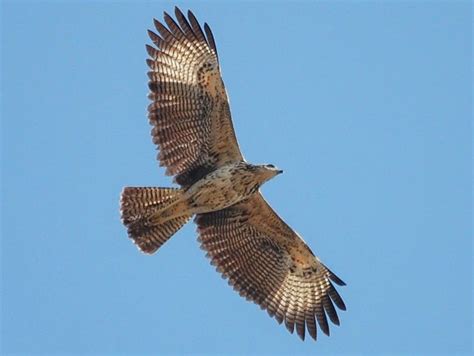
[(269, 264), (190, 113)]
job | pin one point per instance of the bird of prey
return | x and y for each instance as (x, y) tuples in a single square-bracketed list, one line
[(263, 259)]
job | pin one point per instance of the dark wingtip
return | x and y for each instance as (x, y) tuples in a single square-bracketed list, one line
[(329, 309), (313, 333), (290, 326), (322, 319), (337, 280), (323, 324), (150, 50), (177, 10), (210, 39), (279, 318), (300, 330), (150, 63), (333, 276)]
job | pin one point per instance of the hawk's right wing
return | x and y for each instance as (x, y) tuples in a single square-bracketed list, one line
[(269, 264), (190, 113)]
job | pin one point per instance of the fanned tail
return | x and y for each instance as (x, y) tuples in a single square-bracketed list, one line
[(152, 215)]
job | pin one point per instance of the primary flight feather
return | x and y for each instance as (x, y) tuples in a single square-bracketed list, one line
[(262, 257)]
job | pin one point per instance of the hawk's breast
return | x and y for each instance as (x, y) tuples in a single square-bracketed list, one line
[(221, 188)]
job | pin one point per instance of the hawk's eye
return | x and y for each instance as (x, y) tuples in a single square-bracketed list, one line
[(270, 166)]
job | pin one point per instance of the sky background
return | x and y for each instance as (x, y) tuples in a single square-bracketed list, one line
[(367, 107)]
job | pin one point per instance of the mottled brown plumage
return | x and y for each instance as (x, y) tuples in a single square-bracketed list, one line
[(190, 112), (261, 256)]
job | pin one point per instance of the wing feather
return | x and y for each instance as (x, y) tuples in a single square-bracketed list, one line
[(196, 27), (190, 113), (210, 39), (184, 24), (266, 262)]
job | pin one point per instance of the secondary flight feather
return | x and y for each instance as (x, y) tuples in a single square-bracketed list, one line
[(262, 257)]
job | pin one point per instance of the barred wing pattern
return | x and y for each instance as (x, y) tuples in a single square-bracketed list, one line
[(190, 112), (269, 264)]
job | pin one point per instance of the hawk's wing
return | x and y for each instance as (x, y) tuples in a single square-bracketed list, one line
[(269, 264), (190, 113)]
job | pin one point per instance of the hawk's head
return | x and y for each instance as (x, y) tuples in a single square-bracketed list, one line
[(266, 172)]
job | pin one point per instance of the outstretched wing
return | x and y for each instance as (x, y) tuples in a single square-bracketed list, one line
[(269, 264), (190, 113)]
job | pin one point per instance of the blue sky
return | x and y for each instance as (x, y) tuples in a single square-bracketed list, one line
[(367, 107)]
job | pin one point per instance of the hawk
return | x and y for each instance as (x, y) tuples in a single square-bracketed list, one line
[(263, 259)]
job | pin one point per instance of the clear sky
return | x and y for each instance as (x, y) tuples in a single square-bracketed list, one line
[(367, 107)]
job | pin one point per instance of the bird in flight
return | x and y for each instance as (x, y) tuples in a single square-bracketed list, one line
[(263, 258)]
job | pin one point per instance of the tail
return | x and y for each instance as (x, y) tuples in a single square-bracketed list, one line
[(152, 215)]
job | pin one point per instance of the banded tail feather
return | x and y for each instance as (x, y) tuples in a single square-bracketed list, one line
[(152, 215)]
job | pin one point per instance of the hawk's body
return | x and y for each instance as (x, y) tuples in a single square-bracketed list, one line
[(263, 258), (225, 187)]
